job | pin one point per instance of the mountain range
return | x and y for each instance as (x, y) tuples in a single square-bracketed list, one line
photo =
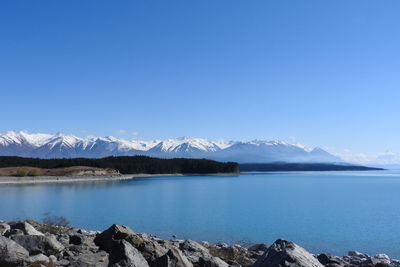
[(61, 145)]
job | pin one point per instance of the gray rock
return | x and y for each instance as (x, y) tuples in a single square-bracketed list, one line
[(77, 239), (358, 254), (121, 252), (13, 232), (380, 258), (87, 232), (39, 258), (283, 253), (99, 259), (234, 255), (212, 262), (329, 260), (4, 228), (11, 254), (127, 256), (149, 248), (258, 247), (63, 239), (173, 258), (63, 262), (53, 259), (200, 256), (37, 244), (114, 233), (26, 228)]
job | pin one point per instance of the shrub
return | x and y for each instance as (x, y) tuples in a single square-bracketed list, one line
[(55, 224), (21, 172), (33, 172)]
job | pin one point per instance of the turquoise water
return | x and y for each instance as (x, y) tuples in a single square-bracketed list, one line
[(323, 211)]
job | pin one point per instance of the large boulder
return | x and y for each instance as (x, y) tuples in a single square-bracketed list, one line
[(11, 254), (200, 256), (37, 244), (114, 233), (149, 248), (125, 255), (121, 252), (380, 259), (173, 258), (283, 253), (26, 228)]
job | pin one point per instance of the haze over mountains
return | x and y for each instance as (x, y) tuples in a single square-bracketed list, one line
[(60, 145)]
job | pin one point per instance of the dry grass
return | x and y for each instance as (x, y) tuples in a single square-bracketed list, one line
[(69, 171)]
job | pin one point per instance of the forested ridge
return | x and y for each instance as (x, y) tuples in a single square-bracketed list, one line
[(128, 164), (283, 166)]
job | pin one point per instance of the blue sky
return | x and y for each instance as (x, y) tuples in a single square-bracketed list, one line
[(321, 73)]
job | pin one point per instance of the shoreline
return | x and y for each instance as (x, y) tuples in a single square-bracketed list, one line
[(30, 243), (13, 180)]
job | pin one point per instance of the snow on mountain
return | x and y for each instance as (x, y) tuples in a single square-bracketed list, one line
[(66, 146), (184, 147), (19, 138)]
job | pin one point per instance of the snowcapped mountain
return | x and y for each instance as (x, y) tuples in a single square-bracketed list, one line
[(67, 146)]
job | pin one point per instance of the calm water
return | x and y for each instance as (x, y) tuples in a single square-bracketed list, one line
[(323, 211)]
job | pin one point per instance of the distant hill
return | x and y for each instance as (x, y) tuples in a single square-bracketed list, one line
[(281, 166), (60, 145)]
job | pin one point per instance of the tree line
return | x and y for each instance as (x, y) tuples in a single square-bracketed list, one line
[(128, 164)]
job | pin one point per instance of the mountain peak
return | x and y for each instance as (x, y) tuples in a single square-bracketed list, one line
[(22, 143)]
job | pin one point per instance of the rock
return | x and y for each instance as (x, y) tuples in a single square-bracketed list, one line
[(4, 227), (37, 244), (63, 262), (380, 258), (13, 232), (26, 228), (99, 259), (358, 254), (67, 253), (173, 258), (77, 239), (200, 256), (121, 252), (329, 260), (11, 254), (149, 248), (39, 258), (125, 255), (115, 232), (52, 259), (86, 232), (258, 247), (232, 254), (283, 253), (80, 243), (63, 239), (212, 262)]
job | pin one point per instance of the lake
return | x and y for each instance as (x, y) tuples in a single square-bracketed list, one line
[(322, 211)]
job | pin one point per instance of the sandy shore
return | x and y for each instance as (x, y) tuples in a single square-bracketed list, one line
[(8, 180)]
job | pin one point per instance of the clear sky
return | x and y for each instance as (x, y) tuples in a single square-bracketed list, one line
[(321, 73)]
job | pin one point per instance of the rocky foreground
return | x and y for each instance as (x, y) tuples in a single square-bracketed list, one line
[(29, 243)]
